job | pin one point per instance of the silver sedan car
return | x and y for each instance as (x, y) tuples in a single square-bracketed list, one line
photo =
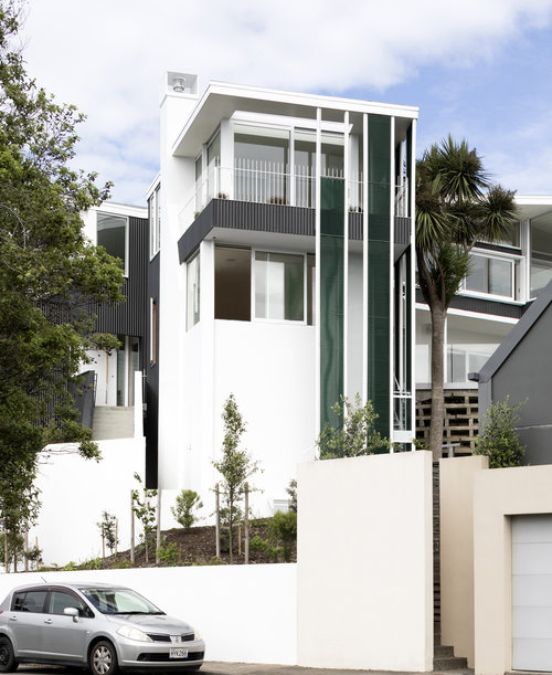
[(99, 625)]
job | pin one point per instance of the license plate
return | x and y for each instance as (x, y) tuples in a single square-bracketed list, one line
[(178, 653)]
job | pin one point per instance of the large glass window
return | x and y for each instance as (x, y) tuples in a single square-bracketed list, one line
[(261, 170), (112, 235), (232, 283), (279, 286), (541, 253), (493, 276), (193, 292)]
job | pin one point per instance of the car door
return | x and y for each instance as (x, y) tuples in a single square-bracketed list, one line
[(65, 638), (26, 620)]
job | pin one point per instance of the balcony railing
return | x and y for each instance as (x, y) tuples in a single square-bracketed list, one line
[(265, 182)]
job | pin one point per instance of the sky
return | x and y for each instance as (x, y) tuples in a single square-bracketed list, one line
[(479, 69)]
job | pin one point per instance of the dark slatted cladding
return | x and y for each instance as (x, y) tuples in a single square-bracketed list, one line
[(130, 317), (482, 306), (235, 215)]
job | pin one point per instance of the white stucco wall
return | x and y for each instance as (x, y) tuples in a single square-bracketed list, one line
[(269, 367), (365, 574), (245, 613), (74, 492)]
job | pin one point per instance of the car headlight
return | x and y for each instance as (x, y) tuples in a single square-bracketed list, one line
[(134, 634), (197, 635)]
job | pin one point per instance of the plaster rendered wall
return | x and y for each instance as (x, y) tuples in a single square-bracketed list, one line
[(74, 492), (498, 495), (245, 613), (457, 476), (365, 571), (269, 367)]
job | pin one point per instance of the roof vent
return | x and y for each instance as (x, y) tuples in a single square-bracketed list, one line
[(182, 83)]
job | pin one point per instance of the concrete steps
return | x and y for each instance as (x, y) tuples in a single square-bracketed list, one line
[(112, 422)]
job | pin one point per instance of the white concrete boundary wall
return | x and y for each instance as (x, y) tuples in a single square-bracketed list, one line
[(74, 492), (245, 613), (365, 576)]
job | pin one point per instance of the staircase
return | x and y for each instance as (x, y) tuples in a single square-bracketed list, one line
[(112, 422), (443, 655)]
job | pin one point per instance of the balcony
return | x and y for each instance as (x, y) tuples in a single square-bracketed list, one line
[(264, 182)]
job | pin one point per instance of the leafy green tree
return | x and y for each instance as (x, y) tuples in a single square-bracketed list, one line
[(357, 436), (187, 503), (499, 440), (235, 466), (456, 206), (145, 510), (50, 276)]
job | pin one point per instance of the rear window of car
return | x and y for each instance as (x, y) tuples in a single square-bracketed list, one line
[(29, 601)]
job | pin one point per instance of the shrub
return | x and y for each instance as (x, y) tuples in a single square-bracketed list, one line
[(187, 502), (282, 530), (169, 554), (499, 440), (355, 433)]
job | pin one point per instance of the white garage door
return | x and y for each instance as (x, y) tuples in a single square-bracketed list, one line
[(532, 592)]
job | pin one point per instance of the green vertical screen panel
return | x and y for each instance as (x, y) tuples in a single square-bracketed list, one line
[(331, 298), (379, 261)]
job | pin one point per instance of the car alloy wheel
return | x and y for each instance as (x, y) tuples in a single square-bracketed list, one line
[(7, 658), (103, 660)]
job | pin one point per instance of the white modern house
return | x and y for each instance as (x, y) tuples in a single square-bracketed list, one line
[(285, 273)]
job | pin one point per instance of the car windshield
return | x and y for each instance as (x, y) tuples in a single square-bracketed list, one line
[(119, 601)]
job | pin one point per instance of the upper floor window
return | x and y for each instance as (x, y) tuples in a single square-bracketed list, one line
[(491, 276), (155, 221), (112, 234), (541, 253), (511, 237)]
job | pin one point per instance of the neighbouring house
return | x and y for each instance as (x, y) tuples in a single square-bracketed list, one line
[(504, 279)]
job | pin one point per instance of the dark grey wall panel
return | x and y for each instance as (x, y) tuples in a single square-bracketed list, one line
[(129, 318), (482, 306), (538, 444), (527, 375), (282, 219), (152, 379)]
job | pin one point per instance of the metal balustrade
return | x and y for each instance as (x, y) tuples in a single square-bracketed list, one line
[(266, 182)]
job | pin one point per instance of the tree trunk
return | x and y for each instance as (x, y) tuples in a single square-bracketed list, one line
[(438, 316)]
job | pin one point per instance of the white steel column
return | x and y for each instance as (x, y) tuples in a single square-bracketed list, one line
[(345, 253), (392, 281), (318, 165), (364, 258), (291, 167), (412, 280)]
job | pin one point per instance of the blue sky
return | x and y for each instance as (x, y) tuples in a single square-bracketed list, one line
[(479, 69)]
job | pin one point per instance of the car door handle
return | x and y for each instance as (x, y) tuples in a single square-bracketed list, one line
[(13, 618), (48, 620)]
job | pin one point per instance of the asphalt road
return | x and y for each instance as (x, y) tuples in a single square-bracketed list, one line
[(214, 668)]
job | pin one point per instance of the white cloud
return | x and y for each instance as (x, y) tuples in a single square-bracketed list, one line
[(108, 56)]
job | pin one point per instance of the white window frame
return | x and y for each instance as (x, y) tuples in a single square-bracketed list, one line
[(117, 215), (513, 260), (188, 263), (154, 211), (253, 279)]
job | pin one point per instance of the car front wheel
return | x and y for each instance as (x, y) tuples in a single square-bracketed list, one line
[(103, 658), (8, 662)]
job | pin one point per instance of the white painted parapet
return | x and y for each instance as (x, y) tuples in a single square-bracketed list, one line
[(365, 570)]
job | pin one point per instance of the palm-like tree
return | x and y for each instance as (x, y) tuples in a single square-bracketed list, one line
[(456, 206)]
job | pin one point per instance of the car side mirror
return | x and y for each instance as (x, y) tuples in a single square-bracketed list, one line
[(72, 611)]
